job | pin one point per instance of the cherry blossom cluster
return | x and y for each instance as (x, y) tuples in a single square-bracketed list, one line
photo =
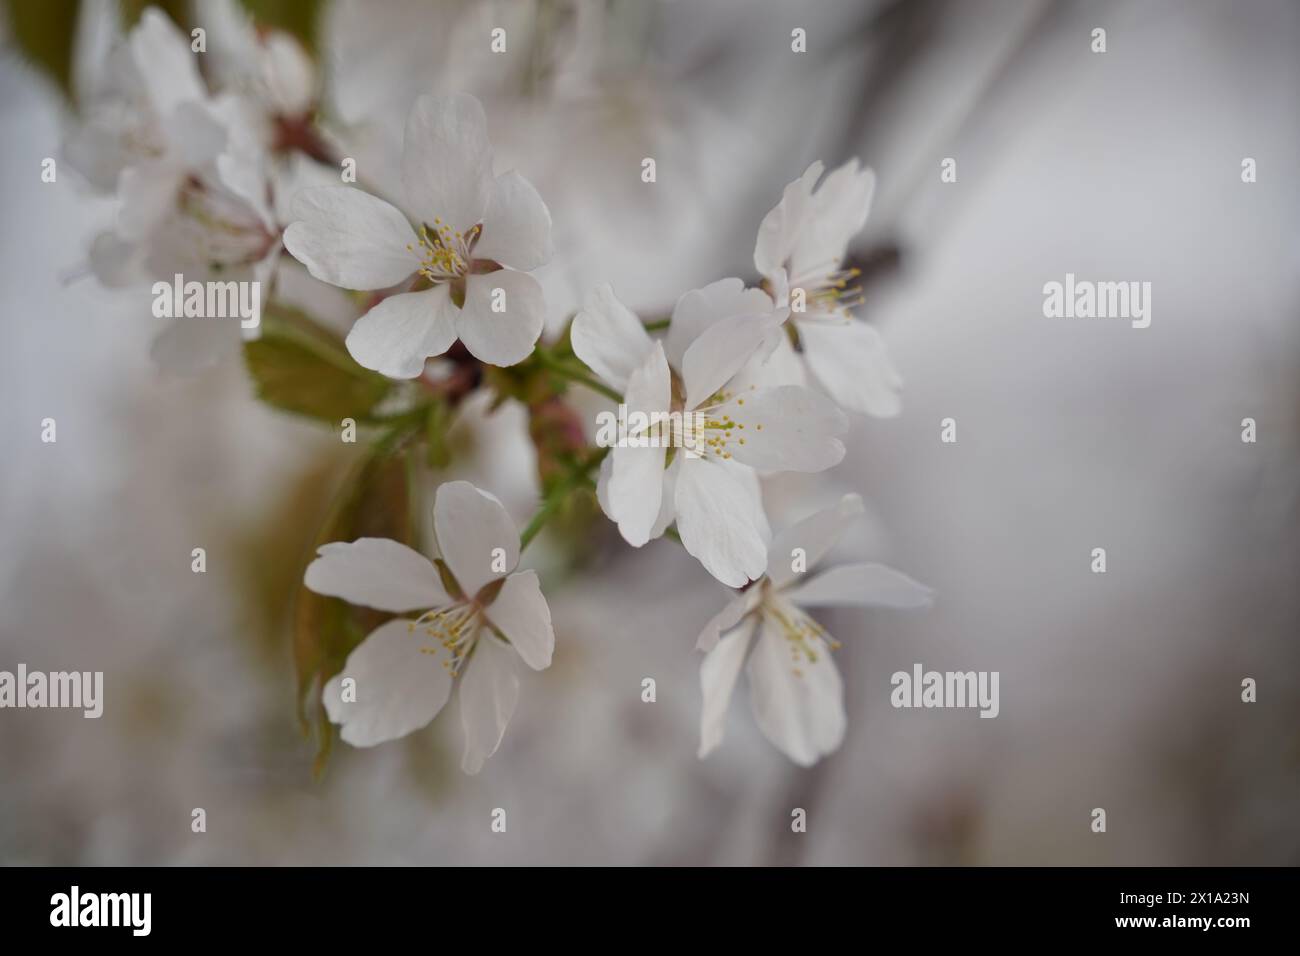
[(218, 174)]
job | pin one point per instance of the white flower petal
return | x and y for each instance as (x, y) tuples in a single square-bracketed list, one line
[(397, 335), (351, 239), (520, 612), (507, 337), (775, 363), (798, 703), (637, 477), (699, 309), (667, 498), (96, 149), (602, 486), (244, 176), (868, 585), (723, 350), (667, 506), (721, 520), (378, 573), (740, 605), (471, 526), (718, 673), (635, 491), (853, 366), (837, 211), (609, 338), (788, 428), (780, 228), (289, 74), (167, 67), (398, 688), (814, 536), (488, 694), (447, 160), (195, 137), (148, 195), (115, 261), (516, 225)]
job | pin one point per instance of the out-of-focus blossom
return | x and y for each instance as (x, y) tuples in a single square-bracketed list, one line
[(192, 184), (266, 67), (149, 123)]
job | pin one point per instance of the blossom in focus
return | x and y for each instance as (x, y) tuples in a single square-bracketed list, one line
[(795, 690), (801, 247), (712, 494), (479, 614), (477, 236)]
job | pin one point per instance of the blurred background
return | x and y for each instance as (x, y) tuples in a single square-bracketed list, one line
[(1120, 691)]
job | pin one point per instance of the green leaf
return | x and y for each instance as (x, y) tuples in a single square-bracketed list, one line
[(371, 503), (299, 368), (44, 33)]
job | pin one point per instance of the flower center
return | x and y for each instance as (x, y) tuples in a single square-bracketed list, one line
[(830, 291), (455, 628), (804, 636), (724, 426), (224, 229), (444, 253)]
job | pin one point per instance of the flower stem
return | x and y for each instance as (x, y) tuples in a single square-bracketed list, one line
[(567, 371), (576, 478)]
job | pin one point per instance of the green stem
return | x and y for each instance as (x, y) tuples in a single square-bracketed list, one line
[(576, 375), (575, 479), (566, 371), (400, 427), (412, 500)]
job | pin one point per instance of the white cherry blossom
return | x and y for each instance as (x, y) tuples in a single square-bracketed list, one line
[(712, 493), (478, 615), (149, 125), (801, 246), (475, 239), (267, 67), (795, 689), (193, 192)]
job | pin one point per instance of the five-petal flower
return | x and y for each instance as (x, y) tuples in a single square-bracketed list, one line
[(795, 689), (478, 614), (477, 238), (801, 246), (712, 492)]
